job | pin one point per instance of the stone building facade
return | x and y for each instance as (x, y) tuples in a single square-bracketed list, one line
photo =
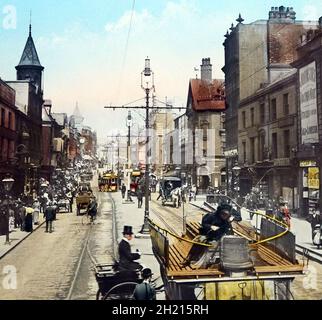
[(309, 151), (267, 140), (256, 55)]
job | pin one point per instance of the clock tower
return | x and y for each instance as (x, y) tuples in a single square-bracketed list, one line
[(29, 67)]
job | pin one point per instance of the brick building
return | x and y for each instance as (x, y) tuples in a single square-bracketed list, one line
[(8, 133), (29, 101), (205, 108), (256, 55), (309, 82), (267, 140)]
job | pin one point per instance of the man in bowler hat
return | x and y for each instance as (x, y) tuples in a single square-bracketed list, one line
[(144, 290), (126, 257)]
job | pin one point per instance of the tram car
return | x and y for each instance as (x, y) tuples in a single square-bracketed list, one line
[(136, 177), (108, 182), (246, 266)]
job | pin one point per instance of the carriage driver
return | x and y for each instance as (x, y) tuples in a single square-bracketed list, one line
[(126, 257)]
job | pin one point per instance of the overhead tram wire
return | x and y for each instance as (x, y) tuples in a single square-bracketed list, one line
[(126, 49)]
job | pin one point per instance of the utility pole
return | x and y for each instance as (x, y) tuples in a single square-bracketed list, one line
[(147, 84)]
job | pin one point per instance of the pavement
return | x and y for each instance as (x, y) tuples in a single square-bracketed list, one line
[(130, 214), (299, 227), (16, 237)]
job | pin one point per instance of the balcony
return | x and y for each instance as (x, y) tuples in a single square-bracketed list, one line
[(282, 162)]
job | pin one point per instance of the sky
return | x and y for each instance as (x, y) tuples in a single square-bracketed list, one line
[(93, 57)]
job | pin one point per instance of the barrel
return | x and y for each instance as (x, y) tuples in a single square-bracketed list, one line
[(234, 254)]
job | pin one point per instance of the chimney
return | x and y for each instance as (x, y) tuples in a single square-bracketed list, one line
[(206, 70)]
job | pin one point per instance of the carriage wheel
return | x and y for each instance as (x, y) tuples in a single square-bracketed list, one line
[(98, 293), (122, 291)]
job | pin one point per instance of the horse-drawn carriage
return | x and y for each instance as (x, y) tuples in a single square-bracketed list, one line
[(83, 197), (114, 284), (171, 190)]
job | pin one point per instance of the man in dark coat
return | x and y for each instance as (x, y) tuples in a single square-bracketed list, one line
[(216, 224), (144, 290), (140, 198), (49, 214), (123, 190), (92, 209), (126, 257)]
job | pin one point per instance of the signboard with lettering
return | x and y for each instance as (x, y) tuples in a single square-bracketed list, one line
[(307, 163), (314, 178), (308, 104)]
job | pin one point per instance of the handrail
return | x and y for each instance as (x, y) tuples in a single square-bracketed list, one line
[(180, 238)]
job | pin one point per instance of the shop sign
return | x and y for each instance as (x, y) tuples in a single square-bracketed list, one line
[(308, 104), (314, 178), (307, 163)]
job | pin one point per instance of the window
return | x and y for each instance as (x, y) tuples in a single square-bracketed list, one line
[(10, 125), (3, 116), (243, 119), (244, 151), (252, 150), (262, 113), (252, 117), (261, 149), (287, 148), (286, 107), (274, 146), (273, 110)]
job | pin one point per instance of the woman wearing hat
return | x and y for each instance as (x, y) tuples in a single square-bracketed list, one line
[(126, 257), (144, 290)]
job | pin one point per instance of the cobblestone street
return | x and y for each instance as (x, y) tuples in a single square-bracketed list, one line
[(46, 264)]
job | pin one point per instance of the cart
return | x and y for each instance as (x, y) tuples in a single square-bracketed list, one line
[(115, 285), (82, 201)]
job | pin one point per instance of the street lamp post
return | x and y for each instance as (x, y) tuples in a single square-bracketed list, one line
[(147, 84), (236, 172), (129, 124), (7, 185)]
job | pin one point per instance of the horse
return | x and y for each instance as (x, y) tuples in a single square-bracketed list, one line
[(176, 196)]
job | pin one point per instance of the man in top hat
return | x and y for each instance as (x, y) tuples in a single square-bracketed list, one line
[(126, 257), (144, 290)]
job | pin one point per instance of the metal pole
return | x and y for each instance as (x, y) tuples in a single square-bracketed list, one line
[(118, 163), (146, 229), (8, 229)]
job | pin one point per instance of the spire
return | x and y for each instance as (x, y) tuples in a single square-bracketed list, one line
[(240, 19), (30, 24), (29, 56)]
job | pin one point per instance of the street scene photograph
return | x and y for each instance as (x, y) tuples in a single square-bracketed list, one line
[(166, 150)]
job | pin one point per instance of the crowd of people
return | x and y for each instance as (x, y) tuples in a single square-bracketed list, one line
[(48, 199)]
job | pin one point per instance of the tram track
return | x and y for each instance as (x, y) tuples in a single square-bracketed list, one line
[(86, 248)]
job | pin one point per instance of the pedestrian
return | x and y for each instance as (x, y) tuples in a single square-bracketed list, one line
[(28, 219), (161, 193), (126, 257), (22, 215), (314, 219), (49, 215), (123, 190), (92, 209), (36, 208), (144, 290), (16, 215), (140, 198), (71, 200), (194, 192)]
